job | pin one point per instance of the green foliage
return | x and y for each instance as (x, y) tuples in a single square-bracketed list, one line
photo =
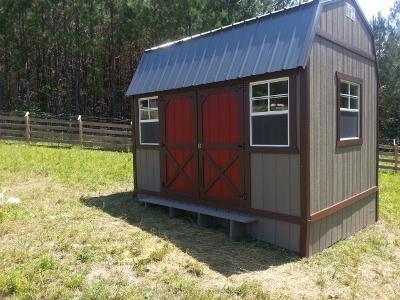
[(387, 41), (77, 57)]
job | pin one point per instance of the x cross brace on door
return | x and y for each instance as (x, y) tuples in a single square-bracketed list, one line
[(220, 172), (180, 170)]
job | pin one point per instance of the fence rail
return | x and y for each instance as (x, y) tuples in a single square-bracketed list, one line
[(117, 136), (389, 158)]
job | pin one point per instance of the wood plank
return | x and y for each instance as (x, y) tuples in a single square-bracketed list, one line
[(52, 127), (387, 168), (388, 160), (12, 132), (12, 125), (12, 138), (342, 205), (387, 147), (40, 140), (54, 121), (110, 125), (107, 132), (215, 212), (102, 138), (386, 153), (10, 118)]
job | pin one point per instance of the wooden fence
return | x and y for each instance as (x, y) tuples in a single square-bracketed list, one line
[(117, 136), (389, 158)]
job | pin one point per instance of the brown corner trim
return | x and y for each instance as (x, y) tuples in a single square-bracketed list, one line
[(330, 38), (342, 204), (305, 161)]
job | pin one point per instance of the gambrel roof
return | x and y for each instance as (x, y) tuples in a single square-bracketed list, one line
[(273, 42)]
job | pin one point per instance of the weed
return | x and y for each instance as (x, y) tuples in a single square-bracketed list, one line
[(194, 268)]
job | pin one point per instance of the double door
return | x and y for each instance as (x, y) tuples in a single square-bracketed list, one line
[(203, 146)]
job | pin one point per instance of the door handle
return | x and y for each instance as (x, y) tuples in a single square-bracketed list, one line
[(199, 146)]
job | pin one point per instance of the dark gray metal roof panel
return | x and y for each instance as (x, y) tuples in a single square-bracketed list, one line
[(270, 43)]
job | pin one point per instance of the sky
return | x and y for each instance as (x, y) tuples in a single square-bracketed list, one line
[(371, 7)]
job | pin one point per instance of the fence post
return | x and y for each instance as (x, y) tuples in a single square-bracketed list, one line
[(27, 128), (80, 130), (396, 156)]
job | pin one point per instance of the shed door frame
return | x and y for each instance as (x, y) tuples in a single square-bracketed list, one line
[(243, 200), (179, 167)]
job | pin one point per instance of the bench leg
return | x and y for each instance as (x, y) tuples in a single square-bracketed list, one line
[(174, 212), (236, 230), (204, 220)]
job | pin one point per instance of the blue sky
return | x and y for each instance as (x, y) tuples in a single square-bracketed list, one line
[(371, 7)]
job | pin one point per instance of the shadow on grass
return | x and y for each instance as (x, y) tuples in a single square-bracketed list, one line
[(210, 246)]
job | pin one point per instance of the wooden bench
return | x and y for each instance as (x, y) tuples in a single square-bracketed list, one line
[(237, 221)]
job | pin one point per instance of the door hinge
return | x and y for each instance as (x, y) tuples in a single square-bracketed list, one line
[(243, 197)]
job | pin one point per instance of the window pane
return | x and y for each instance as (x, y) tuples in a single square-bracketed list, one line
[(354, 90), (153, 103), (353, 103), (143, 104), (344, 102), (279, 88), (260, 90), (153, 114), (270, 130), (149, 133), (349, 124), (344, 88), (260, 105), (278, 104), (144, 114)]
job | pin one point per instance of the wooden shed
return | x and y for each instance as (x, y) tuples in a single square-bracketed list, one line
[(267, 126)]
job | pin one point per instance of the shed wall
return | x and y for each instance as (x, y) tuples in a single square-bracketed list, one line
[(148, 170), (275, 183), (278, 233), (341, 225), (334, 21), (339, 173)]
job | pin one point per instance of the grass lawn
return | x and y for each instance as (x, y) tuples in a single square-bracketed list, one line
[(79, 234)]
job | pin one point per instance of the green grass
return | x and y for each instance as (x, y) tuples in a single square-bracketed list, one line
[(79, 234)]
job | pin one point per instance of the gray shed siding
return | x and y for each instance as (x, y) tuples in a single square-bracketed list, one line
[(275, 183), (342, 225), (334, 21), (339, 173), (148, 170), (278, 233)]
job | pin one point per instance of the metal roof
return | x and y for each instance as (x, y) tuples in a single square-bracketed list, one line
[(270, 43)]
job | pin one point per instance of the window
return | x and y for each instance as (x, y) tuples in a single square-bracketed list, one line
[(350, 11), (349, 112), (269, 113), (148, 121)]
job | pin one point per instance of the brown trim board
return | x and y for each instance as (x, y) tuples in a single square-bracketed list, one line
[(134, 144), (330, 38), (342, 205), (305, 161)]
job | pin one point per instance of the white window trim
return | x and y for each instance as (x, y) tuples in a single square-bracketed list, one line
[(268, 113), (349, 97), (146, 121)]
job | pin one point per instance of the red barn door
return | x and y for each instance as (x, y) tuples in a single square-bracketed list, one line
[(179, 145), (221, 156)]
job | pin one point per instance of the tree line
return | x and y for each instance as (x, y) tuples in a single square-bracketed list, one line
[(387, 41), (69, 57)]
